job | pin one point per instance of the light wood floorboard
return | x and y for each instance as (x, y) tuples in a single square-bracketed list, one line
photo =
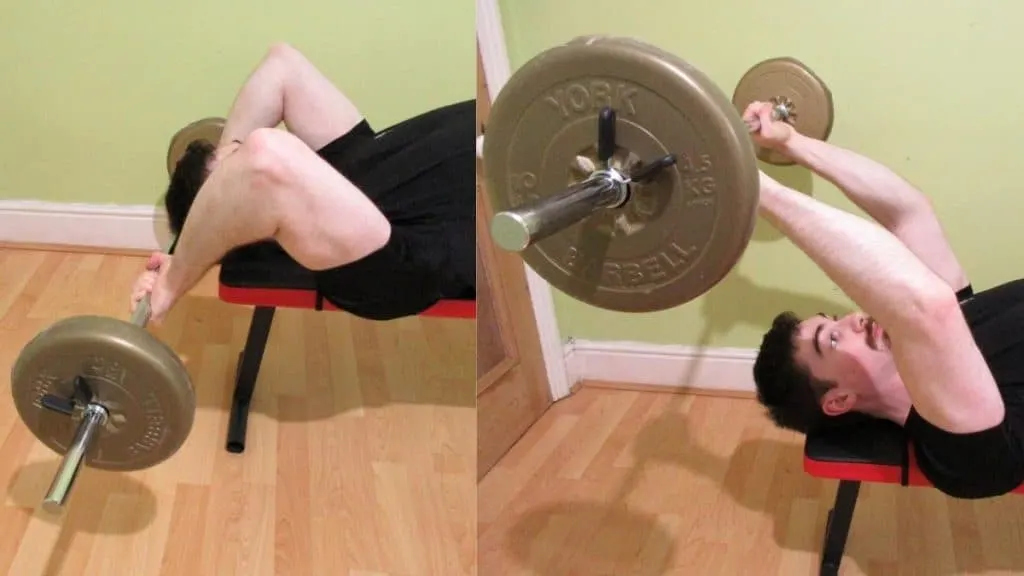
[(637, 483), (360, 456)]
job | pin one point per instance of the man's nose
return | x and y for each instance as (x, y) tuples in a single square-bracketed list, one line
[(859, 322)]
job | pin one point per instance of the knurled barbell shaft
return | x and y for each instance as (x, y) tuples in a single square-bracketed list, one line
[(517, 229), (93, 418)]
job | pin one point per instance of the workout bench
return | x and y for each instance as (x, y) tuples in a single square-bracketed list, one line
[(264, 276), (870, 450)]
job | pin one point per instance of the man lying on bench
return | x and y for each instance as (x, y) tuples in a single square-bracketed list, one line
[(944, 363), (385, 220)]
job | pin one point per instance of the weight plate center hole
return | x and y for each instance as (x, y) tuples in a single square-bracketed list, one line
[(105, 394), (645, 202)]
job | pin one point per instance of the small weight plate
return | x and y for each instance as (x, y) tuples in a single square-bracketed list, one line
[(790, 80), (208, 129), (143, 384), (676, 237)]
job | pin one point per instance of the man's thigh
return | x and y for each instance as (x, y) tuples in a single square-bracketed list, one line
[(324, 220)]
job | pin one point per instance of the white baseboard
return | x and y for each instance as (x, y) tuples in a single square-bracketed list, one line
[(87, 225), (653, 365)]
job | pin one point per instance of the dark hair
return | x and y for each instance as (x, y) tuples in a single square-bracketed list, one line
[(189, 175), (787, 389)]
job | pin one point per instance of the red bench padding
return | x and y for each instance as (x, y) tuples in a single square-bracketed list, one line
[(870, 450), (263, 274)]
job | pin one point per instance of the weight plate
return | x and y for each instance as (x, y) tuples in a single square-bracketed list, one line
[(676, 237), (787, 79), (208, 129), (143, 384)]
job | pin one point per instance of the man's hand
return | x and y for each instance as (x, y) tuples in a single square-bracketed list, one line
[(154, 281), (773, 134)]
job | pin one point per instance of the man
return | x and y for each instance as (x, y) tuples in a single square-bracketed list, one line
[(385, 220), (928, 353)]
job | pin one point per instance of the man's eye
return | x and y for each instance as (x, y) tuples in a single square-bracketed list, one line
[(833, 340)]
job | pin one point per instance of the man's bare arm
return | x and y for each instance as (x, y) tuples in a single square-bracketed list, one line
[(286, 87), (274, 187), (948, 379), (885, 196)]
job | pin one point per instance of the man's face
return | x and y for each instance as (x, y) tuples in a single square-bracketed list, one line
[(846, 350)]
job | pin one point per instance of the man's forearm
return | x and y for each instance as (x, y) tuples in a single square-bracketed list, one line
[(873, 187), (259, 104), (867, 262), (223, 217)]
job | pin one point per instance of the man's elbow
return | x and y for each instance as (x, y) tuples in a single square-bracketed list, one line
[(265, 154), (933, 307)]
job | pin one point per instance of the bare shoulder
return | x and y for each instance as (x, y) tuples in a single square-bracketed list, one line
[(944, 371)]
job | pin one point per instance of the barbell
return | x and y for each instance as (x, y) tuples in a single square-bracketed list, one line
[(102, 391), (625, 177)]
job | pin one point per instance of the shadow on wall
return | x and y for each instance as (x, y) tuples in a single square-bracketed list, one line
[(737, 300)]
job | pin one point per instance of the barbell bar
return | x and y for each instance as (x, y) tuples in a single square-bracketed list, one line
[(104, 392), (93, 416), (625, 177)]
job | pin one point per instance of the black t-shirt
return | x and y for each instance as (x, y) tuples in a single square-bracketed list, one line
[(421, 174), (989, 462)]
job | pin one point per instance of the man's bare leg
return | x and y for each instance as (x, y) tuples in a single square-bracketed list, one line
[(932, 346), (273, 187), (286, 87)]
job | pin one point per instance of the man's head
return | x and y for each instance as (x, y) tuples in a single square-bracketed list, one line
[(824, 366), (193, 168), (189, 174)]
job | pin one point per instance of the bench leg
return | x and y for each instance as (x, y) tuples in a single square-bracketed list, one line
[(837, 528), (246, 372)]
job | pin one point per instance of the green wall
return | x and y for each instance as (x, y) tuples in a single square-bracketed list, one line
[(92, 92), (928, 88)]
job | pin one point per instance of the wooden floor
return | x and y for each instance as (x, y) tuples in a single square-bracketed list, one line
[(360, 458), (642, 483)]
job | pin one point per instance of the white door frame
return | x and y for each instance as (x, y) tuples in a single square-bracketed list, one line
[(491, 38)]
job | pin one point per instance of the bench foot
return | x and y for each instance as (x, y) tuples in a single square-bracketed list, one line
[(837, 527), (246, 372)]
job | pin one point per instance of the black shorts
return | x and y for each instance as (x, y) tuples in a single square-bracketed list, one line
[(989, 462), (421, 174)]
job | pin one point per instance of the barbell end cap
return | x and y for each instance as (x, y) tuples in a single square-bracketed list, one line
[(510, 231), (53, 507)]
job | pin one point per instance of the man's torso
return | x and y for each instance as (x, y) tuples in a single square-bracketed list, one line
[(420, 174), (992, 461)]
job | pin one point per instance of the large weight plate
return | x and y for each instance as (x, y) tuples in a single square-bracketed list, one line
[(139, 379), (208, 129), (676, 237), (789, 80)]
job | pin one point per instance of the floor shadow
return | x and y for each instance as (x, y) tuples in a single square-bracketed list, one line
[(340, 368), (736, 300), (101, 503), (774, 496), (581, 537)]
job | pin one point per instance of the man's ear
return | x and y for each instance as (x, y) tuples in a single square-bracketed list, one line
[(837, 401)]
